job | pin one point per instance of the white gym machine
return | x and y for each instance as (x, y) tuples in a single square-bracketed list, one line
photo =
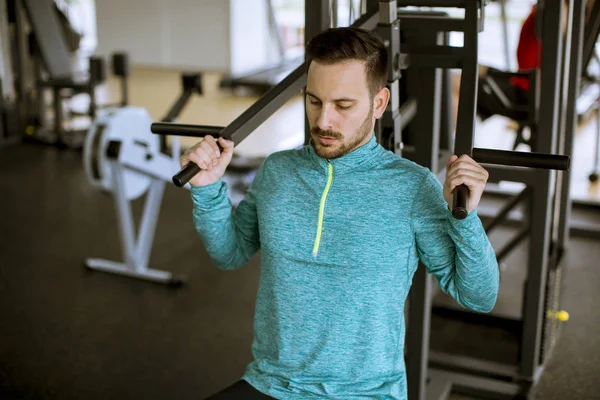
[(122, 156)]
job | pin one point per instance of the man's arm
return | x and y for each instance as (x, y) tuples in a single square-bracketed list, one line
[(457, 252), (230, 238)]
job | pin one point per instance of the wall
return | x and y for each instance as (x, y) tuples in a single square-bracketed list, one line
[(166, 33), (222, 35)]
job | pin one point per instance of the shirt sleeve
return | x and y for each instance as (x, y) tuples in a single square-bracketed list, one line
[(231, 237), (457, 252)]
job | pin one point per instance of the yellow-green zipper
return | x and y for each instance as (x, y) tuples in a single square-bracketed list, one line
[(322, 211)]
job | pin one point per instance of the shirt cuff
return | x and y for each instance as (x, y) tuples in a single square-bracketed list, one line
[(471, 217), (203, 196)]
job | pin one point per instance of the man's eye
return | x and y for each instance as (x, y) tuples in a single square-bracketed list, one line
[(343, 107), (315, 103)]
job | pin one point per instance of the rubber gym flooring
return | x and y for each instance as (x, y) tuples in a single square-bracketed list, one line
[(68, 333)]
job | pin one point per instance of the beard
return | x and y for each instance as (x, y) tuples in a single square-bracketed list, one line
[(342, 146)]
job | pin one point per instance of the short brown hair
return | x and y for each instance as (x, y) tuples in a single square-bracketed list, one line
[(344, 44)]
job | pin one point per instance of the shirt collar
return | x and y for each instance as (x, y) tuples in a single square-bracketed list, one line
[(356, 159)]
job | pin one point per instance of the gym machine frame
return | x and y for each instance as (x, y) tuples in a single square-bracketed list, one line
[(440, 383), (479, 377), (124, 155)]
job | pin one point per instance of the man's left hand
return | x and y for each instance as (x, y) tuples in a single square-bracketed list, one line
[(464, 170)]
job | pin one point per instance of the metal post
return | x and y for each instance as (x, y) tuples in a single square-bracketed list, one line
[(592, 29), (21, 63), (426, 84), (447, 116), (124, 216), (557, 204), (148, 224), (574, 82), (389, 31), (316, 19), (505, 34), (552, 16), (465, 124)]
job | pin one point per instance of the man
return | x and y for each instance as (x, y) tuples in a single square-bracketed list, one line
[(340, 224)]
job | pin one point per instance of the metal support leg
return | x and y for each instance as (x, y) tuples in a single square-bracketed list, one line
[(124, 216), (135, 253), (58, 117), (417, 334), (148, 224), (574, 80), (316, 19), (539, 242), (389, 30)]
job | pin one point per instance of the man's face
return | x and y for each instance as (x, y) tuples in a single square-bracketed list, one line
[(339, 109)]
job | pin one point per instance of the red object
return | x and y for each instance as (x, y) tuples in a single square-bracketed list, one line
[(528, 50)]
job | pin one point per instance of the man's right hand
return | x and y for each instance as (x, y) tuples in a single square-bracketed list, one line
[(209, 158)]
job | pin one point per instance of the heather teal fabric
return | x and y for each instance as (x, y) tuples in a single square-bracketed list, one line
[(331, 326)]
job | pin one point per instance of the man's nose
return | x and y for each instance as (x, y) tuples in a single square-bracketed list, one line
[(325, 118)]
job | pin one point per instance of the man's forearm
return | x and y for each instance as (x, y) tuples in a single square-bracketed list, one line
[(476, 277), (228, 244)]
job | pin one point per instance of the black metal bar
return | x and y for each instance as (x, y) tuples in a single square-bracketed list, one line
[(502, 173), (176, 109), (465, 126), (438, 3), (574, 80), (592, 28), (521, 159), (433, 50), (372, 6), (507, 208), (513, 325), (514, 242), (261, 110), (540, 210), (388, 29), (124, 91), (368, 21), (472, 366), (316, 20), (436, 61), (426, 84), (447, 117), (481, 387), (163, 128)]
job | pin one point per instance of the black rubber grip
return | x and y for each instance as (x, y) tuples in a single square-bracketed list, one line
[(459, 204), (522, 159), (187, 173)]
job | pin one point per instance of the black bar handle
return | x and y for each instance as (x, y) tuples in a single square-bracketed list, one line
[(521, 159), (167, 128), (459, 205), (187, 173), (511, 158), (191, 169)]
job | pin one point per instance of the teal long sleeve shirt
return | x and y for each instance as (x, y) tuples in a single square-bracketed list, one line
[(340, 242)]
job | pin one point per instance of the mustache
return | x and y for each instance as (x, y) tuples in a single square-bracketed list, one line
[(328, 134)]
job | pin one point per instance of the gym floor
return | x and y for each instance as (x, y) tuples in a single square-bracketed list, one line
[(68, 333)]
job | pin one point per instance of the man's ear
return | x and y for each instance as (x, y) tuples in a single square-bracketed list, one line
[(380, 102)]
